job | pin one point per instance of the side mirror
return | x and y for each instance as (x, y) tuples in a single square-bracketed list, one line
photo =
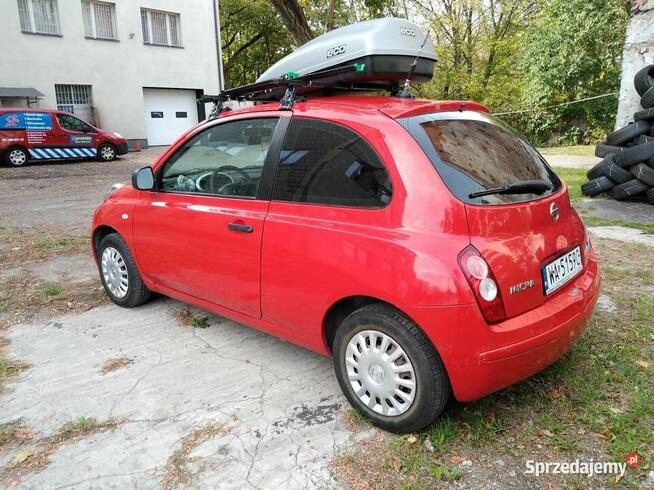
[(143, 179)]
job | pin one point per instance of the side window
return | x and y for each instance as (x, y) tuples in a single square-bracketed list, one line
[(71, 123), (325, 163), (224, 160)]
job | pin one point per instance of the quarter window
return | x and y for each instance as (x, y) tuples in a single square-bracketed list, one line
[(39, 16), (71, 123), (325, 163), (224, 160), (161, 28), (99, 19)]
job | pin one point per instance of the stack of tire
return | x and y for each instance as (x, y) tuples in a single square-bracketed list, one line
[(627, 168)]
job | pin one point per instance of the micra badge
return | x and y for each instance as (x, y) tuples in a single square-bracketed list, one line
[(518, 288)]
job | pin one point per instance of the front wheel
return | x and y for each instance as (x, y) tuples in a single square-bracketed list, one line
[(389, 370), (120, 277), (16, 157), (106, 152)]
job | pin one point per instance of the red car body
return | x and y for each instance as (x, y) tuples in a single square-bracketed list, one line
[(45, 136), (304, 262)]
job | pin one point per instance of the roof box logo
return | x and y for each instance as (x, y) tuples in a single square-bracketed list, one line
[(335, 51), (408, 31)]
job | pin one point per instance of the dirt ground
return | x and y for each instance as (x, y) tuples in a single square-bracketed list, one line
[(95, 396)]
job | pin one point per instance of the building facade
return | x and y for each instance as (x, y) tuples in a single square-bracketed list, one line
[(132, 66), (638, 52)]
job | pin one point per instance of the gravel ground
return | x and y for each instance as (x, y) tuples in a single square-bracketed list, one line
[(63, 195)]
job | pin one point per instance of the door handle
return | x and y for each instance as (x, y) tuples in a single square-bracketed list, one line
[(241, 228)]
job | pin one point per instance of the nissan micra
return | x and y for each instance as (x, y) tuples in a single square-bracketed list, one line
[(429, 250)]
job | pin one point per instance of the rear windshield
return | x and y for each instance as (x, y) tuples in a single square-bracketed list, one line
[(472, 152)]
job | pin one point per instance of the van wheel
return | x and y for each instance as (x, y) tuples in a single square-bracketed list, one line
[(389, 370), (106, 152), (120, 277), (16, 156)]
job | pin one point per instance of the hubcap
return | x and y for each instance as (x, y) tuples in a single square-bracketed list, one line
[(107, 153), (380, 373), (114, 271), (17, 157)]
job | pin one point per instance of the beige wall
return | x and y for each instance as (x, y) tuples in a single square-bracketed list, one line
[(118, 71), (638, 52)]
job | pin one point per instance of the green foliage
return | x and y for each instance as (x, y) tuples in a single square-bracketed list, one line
[(572, 51), (253, 38), (508, 54)]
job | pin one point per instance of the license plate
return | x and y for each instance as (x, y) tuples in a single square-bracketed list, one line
[(561, 270)]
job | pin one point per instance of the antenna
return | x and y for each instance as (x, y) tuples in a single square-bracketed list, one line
[(406, 90)]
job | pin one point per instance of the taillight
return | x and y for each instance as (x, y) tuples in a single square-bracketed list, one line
[(483, 284)]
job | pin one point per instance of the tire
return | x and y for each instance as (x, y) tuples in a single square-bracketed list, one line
[(597, 186), (111, 266), (106, 152), (628, 189), (16, 156), (603, 149), (431, 389), (629, 132), (643, 173), (644, 115), (647, 100), (635, 154), (649, 195), (608, 168), (642, 139), (644, 80)]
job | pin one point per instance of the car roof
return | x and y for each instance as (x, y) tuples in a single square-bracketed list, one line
[(394, 107)]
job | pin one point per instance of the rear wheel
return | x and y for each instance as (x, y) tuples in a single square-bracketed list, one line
[(120, 277), (16, 156), (106, 152), (389, 370)]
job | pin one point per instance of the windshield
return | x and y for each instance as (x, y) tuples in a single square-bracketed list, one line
[(472, 153)]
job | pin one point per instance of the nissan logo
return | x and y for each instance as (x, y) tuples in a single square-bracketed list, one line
[(554, 212)]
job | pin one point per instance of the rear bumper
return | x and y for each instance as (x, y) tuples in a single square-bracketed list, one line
[(121, 148), (482, 358)]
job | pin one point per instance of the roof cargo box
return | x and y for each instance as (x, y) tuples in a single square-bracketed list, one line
[(387, 47)]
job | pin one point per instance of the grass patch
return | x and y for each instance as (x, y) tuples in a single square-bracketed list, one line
[(185, 317), (53, 243), (51, 291), (83, 426), (12, 433), (577, 150), (176, 474), (115, 364), (596, 402), (36, 456), (573, 177), (598, 221), (10, 368)]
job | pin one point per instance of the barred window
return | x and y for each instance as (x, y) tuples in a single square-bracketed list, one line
[(39, 16), (161, 28), (76, 99), (99, 19)]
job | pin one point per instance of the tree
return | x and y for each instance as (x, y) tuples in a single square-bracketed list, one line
[(571, 52), (293, 18), (477, 42)]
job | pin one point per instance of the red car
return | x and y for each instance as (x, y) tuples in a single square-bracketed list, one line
[(429, 250), (44, 134)]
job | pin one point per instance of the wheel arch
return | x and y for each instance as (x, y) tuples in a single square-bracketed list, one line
[(345, 306), (98, 234)]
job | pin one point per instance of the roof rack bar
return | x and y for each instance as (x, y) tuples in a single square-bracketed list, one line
[(288, 81)]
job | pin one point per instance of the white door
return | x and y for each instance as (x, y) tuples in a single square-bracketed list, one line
[(168, 113)]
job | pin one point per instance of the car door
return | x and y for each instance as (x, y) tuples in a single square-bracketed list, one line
[(200, 232), (74, 138)]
